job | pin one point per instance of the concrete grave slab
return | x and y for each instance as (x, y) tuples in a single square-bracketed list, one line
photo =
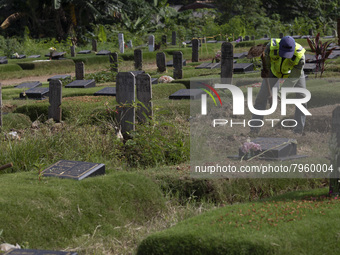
[(171, 63), (309, 68), (103, 52), (243, 67), (3, 61), (18, 57), (76, 170), (35, 93), (59, 77), (32, 84), (154, 81), (34, 56), (84, 52), (108, 91), (187, 94), (81, 84), (240, 55)]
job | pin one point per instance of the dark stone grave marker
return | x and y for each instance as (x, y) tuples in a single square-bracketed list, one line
[(138, 57), (34, 56), (227, 62), (243, 67), (309, 68), (3, 61), (161, 62), (178, 65), (187, 94), (84, 52), (35, 93), (173, 38), (135, 73), (32, 84), (104, 52), (55, 97), (276, 148), (81, 84), (240, 55), (108, 91), (73, 50), (77, 170), (334, 55), (154, 81), (56, 55), (3, 57), (246, 38), (80, 70), (170, 63), (195, 50), (38, 252), (94, 45), (144, 95), (20, 56), (203, 66), (59, 77)]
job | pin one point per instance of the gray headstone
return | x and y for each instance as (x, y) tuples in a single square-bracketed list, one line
[(246, 38), (151, 43), (77, 170), (240, 55), (178, 64), (55, 96), (338, 29), (56, 55), (161, 62), (113, 57), (309, 68), (73, 51), (243, 67), (227, 63), (173, 38), (3, 61), (125, 88), (34, 56), (32, 84), (164, 39), (171, 63), (121, 42), (195, 46), (80, 70), (144, 95), (138, 56), (81, 84), (104, 52), (94, 45), (187, 94), (129, 44), (108, 91)]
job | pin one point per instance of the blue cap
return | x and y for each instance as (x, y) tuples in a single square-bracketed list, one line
[(287, 47)]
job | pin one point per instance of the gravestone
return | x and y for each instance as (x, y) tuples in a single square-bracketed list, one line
[(281, 35), (84, 52), (252, 37), (108, 91), (178, 64), (135, 73), (104, 52), (243, 67), (138, 56), (334, 182), (73, 50), (309, 68), (121, 42), (240, 55), (227, 58), (56, 55), (77, 170), (125, 88), (164, 39), (246, 38), (34, 56), (170, 63), (338, 28), (113, 57), (3, 61), (275, 148), (208, 66), (55, 97), (129, 44), (187, 94), (84, 84), (151, 43), (35, 93), (94, 45), (59, 77), (161, 62), (173, 38), (144, 95), (195, 46), (32, 84), (38, 252), (154, 81), (80, 70), (20, 56)]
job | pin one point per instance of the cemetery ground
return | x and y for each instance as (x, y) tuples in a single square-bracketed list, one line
[(147, 187)]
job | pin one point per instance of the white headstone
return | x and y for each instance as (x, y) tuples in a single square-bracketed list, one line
[(121, 42), (151, 43)]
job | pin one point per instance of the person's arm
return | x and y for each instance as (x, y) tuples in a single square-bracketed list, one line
[(295, 74)]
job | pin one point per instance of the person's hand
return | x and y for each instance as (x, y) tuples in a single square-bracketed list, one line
[(264, 73)]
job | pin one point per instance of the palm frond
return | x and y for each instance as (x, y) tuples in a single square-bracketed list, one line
[(10, 19)]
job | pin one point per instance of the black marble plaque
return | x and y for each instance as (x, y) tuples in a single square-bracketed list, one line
[(34, 56), (81, 84), (240, 55), (276, 148), (171, 63), (108, 91), (38, 252), (154, 81), (103, 52), (84, 52), (19, 57), (35, 93), (77, 170), (243, 67), (187, 94), (59, 77), (3, 61), (32, 84)]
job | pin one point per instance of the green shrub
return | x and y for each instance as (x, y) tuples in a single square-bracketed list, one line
[(16, 121), (10, 68)]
